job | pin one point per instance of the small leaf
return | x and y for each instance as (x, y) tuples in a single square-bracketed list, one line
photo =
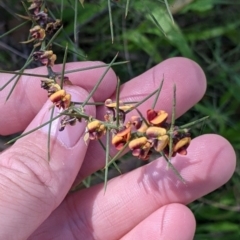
[(169, 11)]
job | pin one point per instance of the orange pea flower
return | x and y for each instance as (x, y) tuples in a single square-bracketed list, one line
[(111, 113), (122, 137), (182, 145), (47, 58), (35, 6), (61, 99), (50, 86), (95, 129), (141, 148), (37, 33), (157, 118), (52, 27), (158, 136)]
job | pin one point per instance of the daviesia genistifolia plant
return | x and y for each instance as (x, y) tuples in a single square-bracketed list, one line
[(143, 134)]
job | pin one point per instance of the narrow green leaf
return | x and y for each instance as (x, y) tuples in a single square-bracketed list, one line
[(172, 122), (117, 102), (34, 129), (142, 42), (19, 73), (86, 182), (172, 31), (13, 29), (71, 51), (28, 13), (193, 123), (106, 159), (144, 100), (127, 8), (157, 23), (110, 19), (169, 11), (53, 37), (158, 93), (63, 67), (75, 21), (61, 9), (142, 117), (49, 135), (172, 167), (109, 156), (99, 81), (94, 67), (29, 60), (117, 155)]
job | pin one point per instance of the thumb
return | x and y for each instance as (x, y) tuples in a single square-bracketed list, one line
[(31, 187)]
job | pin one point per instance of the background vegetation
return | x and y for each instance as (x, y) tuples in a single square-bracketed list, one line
[(206, 31)]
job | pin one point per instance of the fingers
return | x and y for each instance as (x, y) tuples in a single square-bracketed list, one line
[(131, 198), (172, 222), (187, 75), (190, 84), (28, 97), (32, 187)]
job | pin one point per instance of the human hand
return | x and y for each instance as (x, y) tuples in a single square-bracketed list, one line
[(147, 203)]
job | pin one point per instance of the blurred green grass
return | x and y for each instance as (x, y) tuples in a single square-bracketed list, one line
[(206, 31)]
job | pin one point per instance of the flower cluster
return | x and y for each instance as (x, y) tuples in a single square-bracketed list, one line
[(58, 96), (44, 27), (141, 135), (61, 99)]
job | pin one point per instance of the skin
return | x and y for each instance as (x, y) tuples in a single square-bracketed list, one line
[(147, 203)]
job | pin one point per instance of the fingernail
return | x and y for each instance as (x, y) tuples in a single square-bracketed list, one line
[(71, 134)]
